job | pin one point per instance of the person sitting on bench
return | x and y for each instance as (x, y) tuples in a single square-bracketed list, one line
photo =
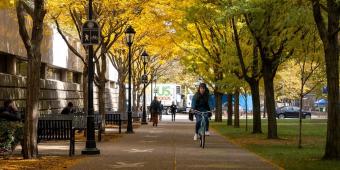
[(68, 109), (10, 111)]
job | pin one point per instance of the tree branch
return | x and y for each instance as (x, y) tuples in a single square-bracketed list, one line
[(319, 20), (22, 26), (29, 10), (74, 51)]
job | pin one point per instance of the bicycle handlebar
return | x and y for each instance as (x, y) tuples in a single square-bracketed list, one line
[(196, 112)]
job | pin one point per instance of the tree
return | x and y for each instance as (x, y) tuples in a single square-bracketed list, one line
[(309, 62), (236, 108), (206, 47), (244, 92), (253, 79), (112, 25), (32, 44), (329, 33), (119, 60), (72, 18), (230, 109), (273, 31)]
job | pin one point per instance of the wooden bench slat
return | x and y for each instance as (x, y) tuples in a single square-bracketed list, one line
[(50, 129)]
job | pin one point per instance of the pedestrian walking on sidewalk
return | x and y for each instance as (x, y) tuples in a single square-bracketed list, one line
[(173, 109), (155, 109)]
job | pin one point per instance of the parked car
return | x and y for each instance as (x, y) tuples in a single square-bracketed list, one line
[(292, 112)]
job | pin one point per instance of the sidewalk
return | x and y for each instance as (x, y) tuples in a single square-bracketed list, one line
[(170, 146)]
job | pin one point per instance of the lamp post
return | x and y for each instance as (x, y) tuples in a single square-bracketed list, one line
[(90, 148), (156, 89), (144, 80), (129, 35)]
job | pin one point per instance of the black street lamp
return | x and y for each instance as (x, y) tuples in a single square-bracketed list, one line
[(144, 80), (90, 148), (129, 35)]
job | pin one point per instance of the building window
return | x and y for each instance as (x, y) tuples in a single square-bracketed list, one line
[(21, 68), (76, 77), (69, 77), (113, 85), (53, 73), (3, 64)]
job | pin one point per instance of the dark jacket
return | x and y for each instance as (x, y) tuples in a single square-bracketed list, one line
[(9, 114), (202, 103), (67, 111), (173, 108), (155, 107)]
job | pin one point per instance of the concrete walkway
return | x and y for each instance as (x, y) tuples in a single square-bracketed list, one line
[(170, 146)]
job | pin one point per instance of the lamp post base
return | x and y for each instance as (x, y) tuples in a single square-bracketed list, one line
[(90, 151), (129, 132)]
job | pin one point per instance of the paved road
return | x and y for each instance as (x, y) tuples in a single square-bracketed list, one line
[(170, 146)]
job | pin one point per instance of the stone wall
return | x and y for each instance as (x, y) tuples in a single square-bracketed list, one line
[(54, 95), (54, 50)]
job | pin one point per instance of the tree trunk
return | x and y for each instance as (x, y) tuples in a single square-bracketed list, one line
[(300, 118), (329, 32), (33, 49), (32, 103), (101, 88), (255, 95), (246, 100), (134, 100), (236, 109), (122, 94), (138, 102), (264, 106), (268, 77), (218, 111), (230, 110), (332, 150)]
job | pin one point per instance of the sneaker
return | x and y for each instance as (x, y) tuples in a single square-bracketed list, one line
[(207, 133), (195, 137)]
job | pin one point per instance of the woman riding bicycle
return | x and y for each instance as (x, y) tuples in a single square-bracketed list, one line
[(201, 102)]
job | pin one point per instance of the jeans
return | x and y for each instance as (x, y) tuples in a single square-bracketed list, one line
[(198, 122), (173, 116)]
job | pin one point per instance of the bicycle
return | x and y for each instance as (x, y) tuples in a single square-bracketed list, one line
[(203, 127)]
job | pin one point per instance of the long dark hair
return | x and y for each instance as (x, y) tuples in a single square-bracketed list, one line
[(205, 95)]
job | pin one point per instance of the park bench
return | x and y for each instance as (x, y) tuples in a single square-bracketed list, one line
[(79, 121), (136, 116), (114, 119), (50, 129)]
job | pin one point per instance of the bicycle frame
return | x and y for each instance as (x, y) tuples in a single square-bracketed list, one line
[(203, 127)]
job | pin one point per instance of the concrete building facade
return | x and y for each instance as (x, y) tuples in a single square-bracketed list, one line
[(61, 70)]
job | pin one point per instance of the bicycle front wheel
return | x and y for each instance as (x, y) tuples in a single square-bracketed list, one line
[(202, 137)]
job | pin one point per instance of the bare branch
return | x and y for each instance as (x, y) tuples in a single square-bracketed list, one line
[(201, 39), (74, 51), (22, 25), (29, 10)]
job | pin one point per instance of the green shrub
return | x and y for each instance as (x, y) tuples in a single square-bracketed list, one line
[(11, 134)]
